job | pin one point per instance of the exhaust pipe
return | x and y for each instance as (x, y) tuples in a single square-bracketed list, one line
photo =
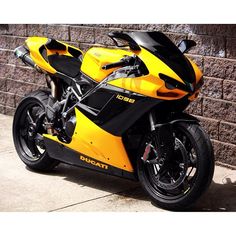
[(23, 53)]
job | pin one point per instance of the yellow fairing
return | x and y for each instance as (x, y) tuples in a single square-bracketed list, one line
[(95, 58), (35, 43), (150, 85), (90, 140)]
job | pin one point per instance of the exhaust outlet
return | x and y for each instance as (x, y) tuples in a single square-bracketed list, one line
[(24, 54)]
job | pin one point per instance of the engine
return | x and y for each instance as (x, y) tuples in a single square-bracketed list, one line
[(61, 120), (69, 126)]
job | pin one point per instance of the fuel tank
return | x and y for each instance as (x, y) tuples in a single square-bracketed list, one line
[(97, 57)]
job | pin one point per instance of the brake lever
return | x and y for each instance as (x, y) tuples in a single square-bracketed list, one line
[(125, 61)]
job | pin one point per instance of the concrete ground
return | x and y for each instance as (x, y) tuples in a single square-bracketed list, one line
[(70, 188)]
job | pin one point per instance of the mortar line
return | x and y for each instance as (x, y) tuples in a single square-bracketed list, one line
[(89, 200)]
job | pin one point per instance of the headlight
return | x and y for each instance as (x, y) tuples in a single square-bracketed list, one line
[(171, 83)]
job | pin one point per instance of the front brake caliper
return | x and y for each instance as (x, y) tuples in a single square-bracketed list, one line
[(149, 147), (146, 152)]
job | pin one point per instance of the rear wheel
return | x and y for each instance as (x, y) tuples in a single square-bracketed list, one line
[(28, 128), (177, 182)]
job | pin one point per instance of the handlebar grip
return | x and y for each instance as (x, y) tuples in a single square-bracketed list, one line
[(113, 65)]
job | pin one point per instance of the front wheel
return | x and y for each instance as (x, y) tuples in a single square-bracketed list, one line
[(175, 183)]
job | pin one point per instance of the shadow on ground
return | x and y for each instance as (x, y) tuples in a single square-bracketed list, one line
[(111, 184), (220, 197)]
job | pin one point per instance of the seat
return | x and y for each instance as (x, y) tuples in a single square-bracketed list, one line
[(65, 64), (69, 65)]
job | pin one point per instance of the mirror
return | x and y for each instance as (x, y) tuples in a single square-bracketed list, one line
[(185, 45)]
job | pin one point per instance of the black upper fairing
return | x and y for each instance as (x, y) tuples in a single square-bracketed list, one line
[(162, 47)]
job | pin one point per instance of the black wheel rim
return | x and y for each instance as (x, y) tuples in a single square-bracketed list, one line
[(29, 131), (179, 176)]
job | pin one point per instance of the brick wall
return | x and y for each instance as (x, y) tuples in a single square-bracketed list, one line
[(215, 53)]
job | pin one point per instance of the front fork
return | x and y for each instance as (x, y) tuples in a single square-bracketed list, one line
[(152, 120), (162, 143), (150, 146)]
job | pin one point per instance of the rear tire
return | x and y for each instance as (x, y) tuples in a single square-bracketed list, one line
[(192, 189), (27, 124)]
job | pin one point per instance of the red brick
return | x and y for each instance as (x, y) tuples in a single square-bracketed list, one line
[(2, 98), (214, 67), (60, 32), (18, 98), (82, 34), (17, 29), (227, 132), (212, 87), (101, 36), (220, 68), (11, 42), (40, 79), (230, 69), (219, 109), (3, 84), (6, 71), (176, 38), (211, 126), (224, 152), (37, 30), (150, 27), (10, 111), (154, 27), (20, 88), (26, 74), (4, 28), (7, 99), (195, 107), (208, 45), (2, 109), (231, 47), (229, 90), (128, 26), (179, 28), (5, 56), (6, 41), (213, 29)]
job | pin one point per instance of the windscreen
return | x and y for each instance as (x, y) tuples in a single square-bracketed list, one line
[(162, 47)]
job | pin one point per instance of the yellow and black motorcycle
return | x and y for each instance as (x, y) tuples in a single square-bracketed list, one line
[(120, 111)]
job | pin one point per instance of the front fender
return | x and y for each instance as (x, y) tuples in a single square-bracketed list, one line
[(179, 117)]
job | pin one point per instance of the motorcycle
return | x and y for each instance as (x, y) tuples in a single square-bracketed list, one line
[(118, 110)]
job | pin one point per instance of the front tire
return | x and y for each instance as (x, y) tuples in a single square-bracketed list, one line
[(28, 130), (190, 171)]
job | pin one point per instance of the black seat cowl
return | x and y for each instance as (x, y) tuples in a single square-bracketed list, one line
[(53, 44)]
